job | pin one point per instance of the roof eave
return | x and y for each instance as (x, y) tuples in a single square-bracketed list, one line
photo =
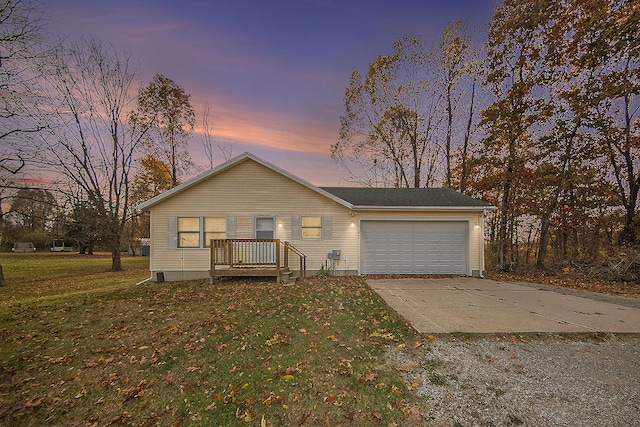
[(424, 208)]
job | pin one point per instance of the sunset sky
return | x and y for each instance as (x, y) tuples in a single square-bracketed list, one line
[(273, 72)]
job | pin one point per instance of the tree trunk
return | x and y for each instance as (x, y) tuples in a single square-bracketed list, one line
[(465, 145), (502, 230), (448, 140), (116, 262), (544, 242), (628, 234), (2, 281)]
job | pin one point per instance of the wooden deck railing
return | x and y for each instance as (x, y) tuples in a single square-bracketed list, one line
[(253, 257)]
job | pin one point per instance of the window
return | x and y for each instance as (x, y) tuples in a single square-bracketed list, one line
[(311, 227), (197, 232), (188, 232), (214, 228)]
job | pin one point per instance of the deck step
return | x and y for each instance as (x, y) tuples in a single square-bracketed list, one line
[(285, 276)]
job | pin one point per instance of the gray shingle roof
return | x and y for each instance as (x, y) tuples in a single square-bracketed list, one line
[(408, 197)]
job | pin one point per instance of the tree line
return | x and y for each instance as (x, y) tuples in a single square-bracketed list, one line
[(541, 120)]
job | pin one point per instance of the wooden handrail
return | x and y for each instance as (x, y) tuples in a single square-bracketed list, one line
[(303, 258), (253, 253)]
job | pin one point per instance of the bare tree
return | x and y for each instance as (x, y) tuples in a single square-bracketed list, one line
[(208, 144), (90, 143), (453, 63), (20, 38), (20, 34), (389, 131)]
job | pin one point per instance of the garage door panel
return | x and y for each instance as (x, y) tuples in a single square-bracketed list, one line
[(413, 247)]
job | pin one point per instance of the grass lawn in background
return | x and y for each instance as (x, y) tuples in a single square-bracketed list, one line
[(85, 346)]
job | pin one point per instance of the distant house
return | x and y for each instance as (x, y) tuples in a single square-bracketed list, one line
[(342, 230)]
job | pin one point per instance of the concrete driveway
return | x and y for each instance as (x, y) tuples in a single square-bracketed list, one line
[(468, 304)]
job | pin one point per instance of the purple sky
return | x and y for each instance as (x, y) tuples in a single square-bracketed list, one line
[(273, 71)]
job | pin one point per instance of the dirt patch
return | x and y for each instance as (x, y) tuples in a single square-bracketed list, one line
[(515, 380), (569, 278)]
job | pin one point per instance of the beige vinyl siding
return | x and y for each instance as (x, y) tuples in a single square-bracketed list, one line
[(250, 189), (245, 191)]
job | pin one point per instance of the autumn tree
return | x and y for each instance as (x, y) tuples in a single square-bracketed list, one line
[(561, 131), (34, 207), (456, 67), (153, 177), (604, 39), (389, 131), (165, 107), (514, 51), (570, 177), (90, 142)]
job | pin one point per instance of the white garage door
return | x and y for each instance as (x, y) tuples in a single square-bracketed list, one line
[(413, 247)]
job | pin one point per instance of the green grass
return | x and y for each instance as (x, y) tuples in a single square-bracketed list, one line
[(37, 278), (83, 346)]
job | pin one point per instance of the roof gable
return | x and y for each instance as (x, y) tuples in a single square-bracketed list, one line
[(230, 164)]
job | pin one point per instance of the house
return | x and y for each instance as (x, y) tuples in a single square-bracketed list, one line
[(340, 230)]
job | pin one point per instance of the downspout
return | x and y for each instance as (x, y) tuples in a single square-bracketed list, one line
[(144, 281), (481, 237)]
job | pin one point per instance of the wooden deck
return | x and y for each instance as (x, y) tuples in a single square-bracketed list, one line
[(254, 257)]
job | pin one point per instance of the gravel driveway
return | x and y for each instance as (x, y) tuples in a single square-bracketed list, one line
[(516, 380)]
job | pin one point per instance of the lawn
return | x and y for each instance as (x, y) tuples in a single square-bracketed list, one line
[(84, 346)]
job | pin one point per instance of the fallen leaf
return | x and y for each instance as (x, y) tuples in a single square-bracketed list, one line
[(34, 403), (303, 418), (371, 376)]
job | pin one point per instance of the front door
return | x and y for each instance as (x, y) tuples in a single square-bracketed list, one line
[(265, 252), (265, 227)]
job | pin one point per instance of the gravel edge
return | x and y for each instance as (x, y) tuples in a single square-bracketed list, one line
[(516, 380)]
